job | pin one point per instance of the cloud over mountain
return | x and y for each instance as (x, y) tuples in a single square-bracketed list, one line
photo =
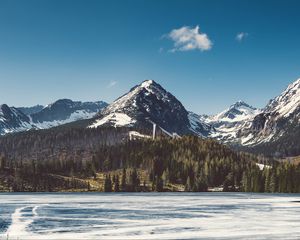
[(188, 38)]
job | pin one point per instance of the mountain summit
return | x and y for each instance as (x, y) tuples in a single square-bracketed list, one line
[(236, 112), (145, 103), (228, 123)]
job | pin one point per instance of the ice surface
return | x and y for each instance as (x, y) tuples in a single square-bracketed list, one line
[(150, 216)]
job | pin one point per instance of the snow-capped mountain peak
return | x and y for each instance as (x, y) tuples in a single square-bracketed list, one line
[(228, 123), (145, 103), (147, 83), (238, 111), (129, 100), (287, 102)]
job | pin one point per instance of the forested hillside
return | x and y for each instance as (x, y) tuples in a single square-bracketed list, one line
[(103, 159)]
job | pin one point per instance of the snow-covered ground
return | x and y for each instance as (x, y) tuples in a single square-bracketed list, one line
[(150, 216)]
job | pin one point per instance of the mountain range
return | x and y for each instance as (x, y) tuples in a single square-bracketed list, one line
[(60, 112), (149, 103)]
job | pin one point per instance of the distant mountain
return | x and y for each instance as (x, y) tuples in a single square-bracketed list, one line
[(38, 117), (200, 125), (31, 110), (149, 103), (12, 120), (64, 111), (228, 123), (276, 118)]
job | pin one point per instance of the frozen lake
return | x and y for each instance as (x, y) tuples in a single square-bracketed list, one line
[(149, 216)]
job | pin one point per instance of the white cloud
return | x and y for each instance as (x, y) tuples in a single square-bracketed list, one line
[(188, 38), (112, 84), (241, 36)]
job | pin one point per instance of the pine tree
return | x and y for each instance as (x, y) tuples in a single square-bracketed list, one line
[(123, 182), (2, 163), (201, 184), (267, 180), (107, 184), (188, 185), (245, 182), (165, 177), (117, 184), (134, 181), (159, 184), (272, 185)]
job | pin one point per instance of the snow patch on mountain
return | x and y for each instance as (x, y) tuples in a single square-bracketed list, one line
[(114, 119), (199, 126), (75, 116), (287, 102)]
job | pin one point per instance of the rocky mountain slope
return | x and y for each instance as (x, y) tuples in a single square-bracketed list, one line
[(12, 120), (229, 122), (60, 112), (149, 103), (276, 118), (65, 111), (31, 110)]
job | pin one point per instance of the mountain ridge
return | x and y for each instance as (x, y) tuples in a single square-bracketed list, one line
[(60, 112), (148, 102)]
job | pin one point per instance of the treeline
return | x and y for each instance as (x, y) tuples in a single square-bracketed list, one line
[(194, 163), (124, 183), (279, 177), (43, 144)]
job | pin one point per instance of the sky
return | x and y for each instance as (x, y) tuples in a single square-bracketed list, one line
[(209, 54)]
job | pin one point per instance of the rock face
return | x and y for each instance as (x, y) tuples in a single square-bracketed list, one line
[(60, 112), (146, 103), (31, 110), (276, 118), (12, 120)]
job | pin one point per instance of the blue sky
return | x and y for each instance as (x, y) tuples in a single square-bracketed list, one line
[(209, 54)]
